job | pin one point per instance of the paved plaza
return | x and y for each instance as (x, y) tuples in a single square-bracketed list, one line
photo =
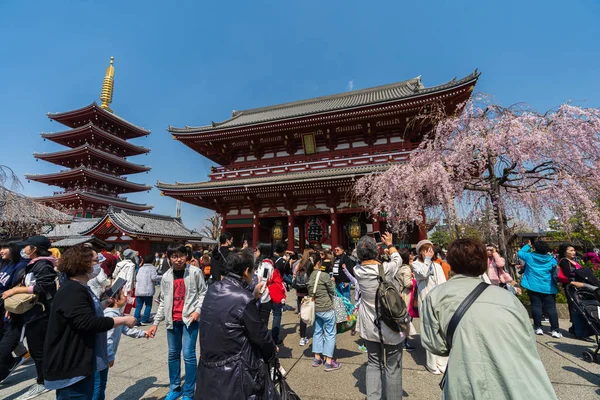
[(140, 370)]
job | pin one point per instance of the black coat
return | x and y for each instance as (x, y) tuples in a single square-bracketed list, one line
[(42, 271), (235, 346), (219, 262), (71, 337)]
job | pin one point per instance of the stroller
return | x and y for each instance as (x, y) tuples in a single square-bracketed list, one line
[(587, 301)]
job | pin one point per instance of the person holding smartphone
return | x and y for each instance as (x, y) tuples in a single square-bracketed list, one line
[(76, 341)]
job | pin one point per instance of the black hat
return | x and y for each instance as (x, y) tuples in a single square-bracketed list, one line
[(41, 242)]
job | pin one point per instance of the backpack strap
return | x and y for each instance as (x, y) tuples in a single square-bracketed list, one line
[(458, 314)]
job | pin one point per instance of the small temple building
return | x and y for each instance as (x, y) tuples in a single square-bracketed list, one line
[(97, 164), (286, 172), (96, 159)]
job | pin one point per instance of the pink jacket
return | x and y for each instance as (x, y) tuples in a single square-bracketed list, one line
[(496, 271)]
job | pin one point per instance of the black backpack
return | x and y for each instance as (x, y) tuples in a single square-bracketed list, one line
[(389, 306)]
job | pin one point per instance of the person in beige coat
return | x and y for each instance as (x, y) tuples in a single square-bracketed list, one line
[(428, 275)]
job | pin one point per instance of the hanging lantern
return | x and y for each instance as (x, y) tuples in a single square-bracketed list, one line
[(316, 228), (277, 231), (354, 229)]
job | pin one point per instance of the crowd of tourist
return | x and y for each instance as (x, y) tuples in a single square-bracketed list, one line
[(71, 309)]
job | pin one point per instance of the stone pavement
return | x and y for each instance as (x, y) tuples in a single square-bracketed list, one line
[(141, 372)]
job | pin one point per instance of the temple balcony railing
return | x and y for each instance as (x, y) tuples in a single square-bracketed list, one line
[(222, 173)]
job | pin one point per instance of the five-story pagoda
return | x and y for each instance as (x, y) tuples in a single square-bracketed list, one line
[(96, 159)]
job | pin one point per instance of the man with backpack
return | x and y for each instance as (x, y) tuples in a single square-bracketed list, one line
[(381, 318)]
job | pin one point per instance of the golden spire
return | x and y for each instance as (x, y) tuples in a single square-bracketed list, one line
[(107, 86)]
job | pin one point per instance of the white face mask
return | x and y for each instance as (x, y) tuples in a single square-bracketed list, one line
[(24, 255), (95, 272)]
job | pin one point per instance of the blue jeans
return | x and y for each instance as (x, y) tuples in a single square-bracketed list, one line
[(181, 338), (140, 301), (540, 303), (100, 378), (82, 390), (324, 336), (276, 327), (345, 291)]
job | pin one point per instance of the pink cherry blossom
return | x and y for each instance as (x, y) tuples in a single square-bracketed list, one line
[(513, 161)]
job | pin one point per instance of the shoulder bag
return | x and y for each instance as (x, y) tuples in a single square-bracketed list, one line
[(20, 303), (307, 308), (458, 314)]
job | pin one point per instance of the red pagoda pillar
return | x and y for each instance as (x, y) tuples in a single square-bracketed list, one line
[(255, 230), (301, 236), (334, 229), (223, 216), (290, 232)]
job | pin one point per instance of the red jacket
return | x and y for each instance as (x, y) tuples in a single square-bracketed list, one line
[(276, 288)]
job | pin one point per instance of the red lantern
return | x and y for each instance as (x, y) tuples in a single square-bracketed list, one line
[(316, 230)]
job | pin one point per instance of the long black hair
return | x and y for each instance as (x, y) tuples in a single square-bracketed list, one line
[(14, 251), (266, 251), (562, 249)]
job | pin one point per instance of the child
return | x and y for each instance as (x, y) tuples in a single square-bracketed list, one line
[(144, 290), (114, 336), (361, 347)]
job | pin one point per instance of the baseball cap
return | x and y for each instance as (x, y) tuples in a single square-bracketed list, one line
[(41, 242)]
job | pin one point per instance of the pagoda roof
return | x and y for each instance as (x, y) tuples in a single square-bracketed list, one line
[(93, 112), (145, 224), (96, 198), (344, 101), (73, 228), (65, 137), (79, 240), (83, 172), (86, 149), (295, 177)]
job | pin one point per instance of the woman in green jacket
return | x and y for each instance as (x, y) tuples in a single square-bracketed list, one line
[(321, 287)]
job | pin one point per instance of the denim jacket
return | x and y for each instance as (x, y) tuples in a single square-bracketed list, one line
[(195, 290)]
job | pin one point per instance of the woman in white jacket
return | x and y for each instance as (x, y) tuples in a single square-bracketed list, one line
[(428, 275)]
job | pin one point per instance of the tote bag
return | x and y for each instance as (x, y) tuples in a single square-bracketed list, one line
[(307, 308)]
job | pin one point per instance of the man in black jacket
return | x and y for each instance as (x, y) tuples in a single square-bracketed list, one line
[(342, 282), (219, 256)]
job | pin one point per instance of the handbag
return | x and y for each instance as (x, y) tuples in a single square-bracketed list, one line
[(281, 385), (20, 303), (340, 309), (307, 308), (458, 314)]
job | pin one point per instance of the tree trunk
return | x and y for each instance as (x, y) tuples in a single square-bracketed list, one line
[(498, 210)]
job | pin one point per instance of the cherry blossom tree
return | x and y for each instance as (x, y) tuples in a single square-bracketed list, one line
[(513, 162)]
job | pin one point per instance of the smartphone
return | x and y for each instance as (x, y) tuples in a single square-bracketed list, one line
[(116, 287), (377, 237), (265, 273)]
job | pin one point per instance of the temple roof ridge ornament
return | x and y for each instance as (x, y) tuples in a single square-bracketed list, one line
[(108, 86)]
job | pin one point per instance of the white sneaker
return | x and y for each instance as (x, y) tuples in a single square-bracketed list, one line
[(433, 371), (556, 334), (34, 391), (303, 341), (539, 331)]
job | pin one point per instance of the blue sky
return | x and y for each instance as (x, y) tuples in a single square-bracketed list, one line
[(191, 62)]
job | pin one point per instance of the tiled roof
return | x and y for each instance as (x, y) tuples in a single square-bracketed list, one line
[(359, 98), (107, 114), (86, 172), (77, 240), (72, 229), (116, 201), (325, 174), (65, 138), (141, 223), (91, 149)]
